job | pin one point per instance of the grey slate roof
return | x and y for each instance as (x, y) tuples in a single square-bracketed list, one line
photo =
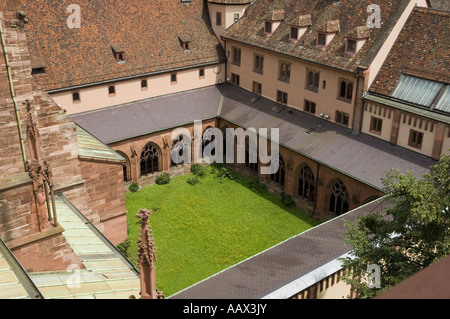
[(276, 268), (361, 157), (143, 117)]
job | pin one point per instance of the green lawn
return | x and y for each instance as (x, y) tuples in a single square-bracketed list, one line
[(202, 229)]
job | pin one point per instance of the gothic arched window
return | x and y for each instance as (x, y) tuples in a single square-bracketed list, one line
[(339, 198), (149, 159), (306, 183)]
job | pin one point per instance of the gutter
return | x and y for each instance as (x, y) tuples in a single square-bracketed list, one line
[(13, 96)]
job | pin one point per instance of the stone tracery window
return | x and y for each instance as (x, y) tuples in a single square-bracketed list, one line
[(149, 159), (339, 198), (306, 183)]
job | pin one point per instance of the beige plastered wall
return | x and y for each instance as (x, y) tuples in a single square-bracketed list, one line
[(327, 99), (227, 12), (97, 96)]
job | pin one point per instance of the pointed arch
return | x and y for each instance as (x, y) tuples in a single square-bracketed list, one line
[(338, 197), (149, 159), (306, 182)]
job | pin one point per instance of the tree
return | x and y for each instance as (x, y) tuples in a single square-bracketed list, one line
[(409, 234)]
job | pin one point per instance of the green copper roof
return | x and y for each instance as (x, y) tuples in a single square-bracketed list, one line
[(91, 147)]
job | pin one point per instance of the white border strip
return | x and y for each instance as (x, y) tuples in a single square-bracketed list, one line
[(307, 280)]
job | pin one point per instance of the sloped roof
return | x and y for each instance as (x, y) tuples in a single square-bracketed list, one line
[(349, 13), (421, 50), (89, 147), (14, 281), (107, 273), (147, 32), (151, 115), (362, 157)]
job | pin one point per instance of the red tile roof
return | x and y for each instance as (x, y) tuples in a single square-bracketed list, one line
[(421, 50), (343, 16), (147, 31)]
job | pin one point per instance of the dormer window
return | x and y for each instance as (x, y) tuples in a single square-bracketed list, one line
[(326, 32), (273, 20), (37, 66), (321, 39), (185, 41), (299, 25), (119, 52), (356, 39), (350, 47), (293, 35), (268, 27), (38, 70)]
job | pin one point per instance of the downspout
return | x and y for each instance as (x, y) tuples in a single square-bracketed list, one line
[(13, 96)]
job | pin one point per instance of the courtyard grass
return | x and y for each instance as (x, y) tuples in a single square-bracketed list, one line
[(202, 229)]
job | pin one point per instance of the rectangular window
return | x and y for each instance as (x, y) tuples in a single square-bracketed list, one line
[(282, 97), (236, 56), (144, 84), (257, 88), (258, 64), (321, 39), (313, 80), (376, 124), (351, 46), (415, 139), (342, 118), (76, 97), (268, 27), (293, 34), (235, 79), (346, 90), (310, 107), (236, 17), (284, 73), (201, 73), (218, 18), (111, 90)]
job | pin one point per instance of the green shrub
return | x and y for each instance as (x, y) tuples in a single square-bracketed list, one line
[(222, 172), (287, 200), (256, 185), (198, 170), (162, 179), (134, 187), (123, 247), (192, 181), (195, 168)]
